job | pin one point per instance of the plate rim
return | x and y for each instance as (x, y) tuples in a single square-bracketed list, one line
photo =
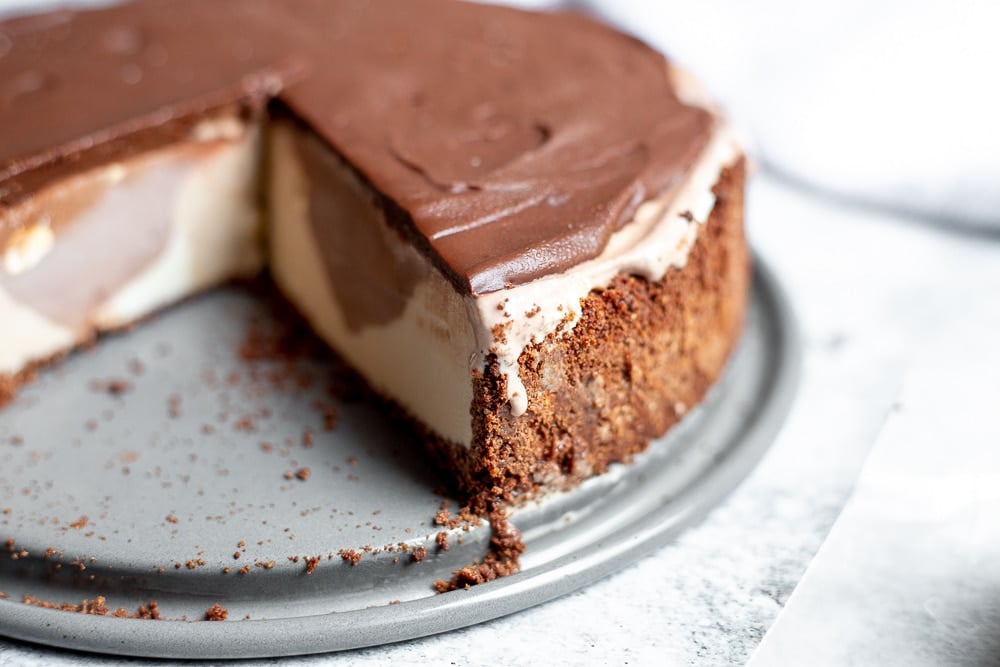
[(360, 628)]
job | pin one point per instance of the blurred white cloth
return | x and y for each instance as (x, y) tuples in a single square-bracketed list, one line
[(891, 102)]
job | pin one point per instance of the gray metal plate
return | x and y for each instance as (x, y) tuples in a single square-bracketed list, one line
[(150, 493)]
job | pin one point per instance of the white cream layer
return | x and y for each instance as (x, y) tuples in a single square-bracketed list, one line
[(214, 236)]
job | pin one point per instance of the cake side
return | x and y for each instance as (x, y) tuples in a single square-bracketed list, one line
[(389, 311), (642, 354)]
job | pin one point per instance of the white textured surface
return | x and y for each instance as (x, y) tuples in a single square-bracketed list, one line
[(911, 571)]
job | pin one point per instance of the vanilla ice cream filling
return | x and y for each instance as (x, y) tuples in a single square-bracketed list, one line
[(200, 196), (420, 358), (424, 358)]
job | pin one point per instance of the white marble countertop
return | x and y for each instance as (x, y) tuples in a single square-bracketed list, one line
[(870, 290)]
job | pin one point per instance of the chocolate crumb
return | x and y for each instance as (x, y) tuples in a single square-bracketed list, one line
[(216, 613), (350, 555), (246, 424), (442, 540), (149, 612), (174, 406), (96, 607), (113, 386), (329, 418), (503, 557), (418, 554)]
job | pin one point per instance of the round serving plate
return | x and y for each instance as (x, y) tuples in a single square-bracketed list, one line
[(165, 465)]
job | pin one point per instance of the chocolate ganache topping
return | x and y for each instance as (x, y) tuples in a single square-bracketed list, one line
[(507, 145), (80, 89)]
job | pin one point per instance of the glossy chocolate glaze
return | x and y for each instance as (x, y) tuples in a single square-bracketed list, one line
[(507, 145), (81, 89)]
